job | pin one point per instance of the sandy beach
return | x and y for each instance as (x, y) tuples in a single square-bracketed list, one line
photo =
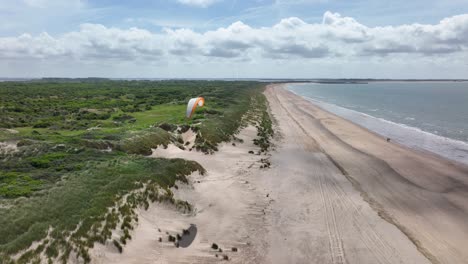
[(423, 195), (335, 193)]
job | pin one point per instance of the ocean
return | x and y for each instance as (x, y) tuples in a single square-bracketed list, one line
[(430, 116)]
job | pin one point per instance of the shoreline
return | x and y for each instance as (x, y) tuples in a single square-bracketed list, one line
[(455, 153), (415, 149), (382, 174)]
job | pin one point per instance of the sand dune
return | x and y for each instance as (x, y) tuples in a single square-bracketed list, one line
[(335, 193), (228, 211)]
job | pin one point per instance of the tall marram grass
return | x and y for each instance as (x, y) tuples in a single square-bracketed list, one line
[(84, 198)]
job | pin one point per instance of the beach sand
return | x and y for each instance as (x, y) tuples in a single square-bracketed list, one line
[(335, 193), (425, 196)]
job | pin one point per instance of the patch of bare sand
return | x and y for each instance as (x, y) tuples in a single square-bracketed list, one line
[(9, 146), (189, 138), (11, 131), (228, 211)]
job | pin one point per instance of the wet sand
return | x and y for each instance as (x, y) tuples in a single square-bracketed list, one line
[(335, 193)]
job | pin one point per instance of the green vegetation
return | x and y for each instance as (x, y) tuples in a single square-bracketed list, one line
[(259, 116), (80, 172), (104, 113), (264, 128), (69, 205)]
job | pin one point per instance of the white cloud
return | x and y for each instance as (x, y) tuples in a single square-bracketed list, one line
[(198, 3), (337, 39)]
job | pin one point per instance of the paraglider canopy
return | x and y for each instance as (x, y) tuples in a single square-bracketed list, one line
[(193, 104)]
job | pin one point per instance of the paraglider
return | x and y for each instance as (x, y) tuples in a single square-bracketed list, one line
[(193, 104)]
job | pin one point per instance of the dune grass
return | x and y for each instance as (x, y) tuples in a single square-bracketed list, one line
[(81, 169), (82, 198)]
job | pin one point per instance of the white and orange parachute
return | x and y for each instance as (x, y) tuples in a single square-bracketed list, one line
[(193, 104)]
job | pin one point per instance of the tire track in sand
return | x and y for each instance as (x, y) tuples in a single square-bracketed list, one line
[(336, 242), (371, 239), (337, 253), (380, 248)]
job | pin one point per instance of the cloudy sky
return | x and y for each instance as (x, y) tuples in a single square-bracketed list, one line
[(234, 38)]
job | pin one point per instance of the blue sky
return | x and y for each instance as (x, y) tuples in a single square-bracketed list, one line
[(234, 38), (55, 17)]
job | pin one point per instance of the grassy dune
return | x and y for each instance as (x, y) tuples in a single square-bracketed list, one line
[(81, 170)]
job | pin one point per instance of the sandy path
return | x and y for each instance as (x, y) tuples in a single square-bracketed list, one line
[(425, 196)]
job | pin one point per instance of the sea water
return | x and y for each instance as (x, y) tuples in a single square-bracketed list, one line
[(430, 116)]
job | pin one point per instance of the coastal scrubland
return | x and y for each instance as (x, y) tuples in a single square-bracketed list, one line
[(78, 168)]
